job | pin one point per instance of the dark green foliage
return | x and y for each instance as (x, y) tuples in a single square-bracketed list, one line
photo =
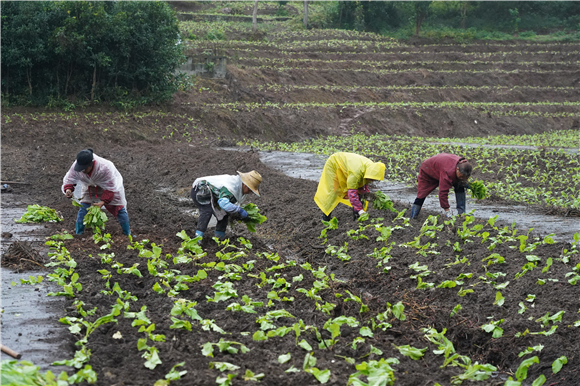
[(37, 213), (382, 16), (478, 190), (60, 52), (254, 217), (383, 202)]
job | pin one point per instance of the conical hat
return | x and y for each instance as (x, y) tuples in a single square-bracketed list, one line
[(252, 180)]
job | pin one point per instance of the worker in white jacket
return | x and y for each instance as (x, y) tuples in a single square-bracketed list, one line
[(101, 183), (222, 195)]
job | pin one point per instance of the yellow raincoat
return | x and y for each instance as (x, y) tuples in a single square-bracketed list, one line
[(344, 171)]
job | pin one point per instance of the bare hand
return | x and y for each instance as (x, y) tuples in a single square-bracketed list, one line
[(99, 204), (68, 193)]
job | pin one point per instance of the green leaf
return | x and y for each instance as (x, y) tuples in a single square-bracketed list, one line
[(558, 363), (411, 352), (207, 349), (365, 331), (304, 344), (259, 335), (522, 371), (539, 381), (284, 358), (499, 299), (223, 366)]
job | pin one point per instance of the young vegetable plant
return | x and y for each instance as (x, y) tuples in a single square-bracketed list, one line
[(37, 213), (95, 218), (254, 217), (478, 190)]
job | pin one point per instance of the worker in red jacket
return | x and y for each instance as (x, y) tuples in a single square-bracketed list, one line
[(443, 171)]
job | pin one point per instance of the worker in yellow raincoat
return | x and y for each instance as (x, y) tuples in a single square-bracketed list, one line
[(344, 178)]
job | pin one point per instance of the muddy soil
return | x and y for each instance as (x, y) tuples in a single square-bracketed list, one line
[(158, 174)]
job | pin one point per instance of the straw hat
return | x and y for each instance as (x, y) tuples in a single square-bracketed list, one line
[(252, 180)]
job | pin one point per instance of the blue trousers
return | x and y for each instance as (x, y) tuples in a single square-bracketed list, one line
[(122, 217)]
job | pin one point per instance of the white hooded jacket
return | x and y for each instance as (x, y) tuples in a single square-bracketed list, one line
[(104, 176)]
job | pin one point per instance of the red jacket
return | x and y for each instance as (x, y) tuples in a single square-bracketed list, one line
[(438, 170)]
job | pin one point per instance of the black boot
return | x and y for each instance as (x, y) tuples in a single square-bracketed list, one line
[(415, 210), (327, 218), (460, 198)]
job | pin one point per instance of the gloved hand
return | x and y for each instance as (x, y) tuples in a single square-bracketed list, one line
[(356, 215), (243, 214), (448, 214)]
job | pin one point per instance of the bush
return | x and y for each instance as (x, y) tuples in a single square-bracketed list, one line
[(88, 51)]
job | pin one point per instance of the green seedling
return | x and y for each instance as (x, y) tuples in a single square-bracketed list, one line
[(354, 298), (224, 291), (36, 213), (329, 225), (95, 218), (340, 253), (493, 327), (254, 217), (223, 366), (478, 190), (558, 364), (530, 350), (383, 202), (223, 346), (380, 369), (411, 352)]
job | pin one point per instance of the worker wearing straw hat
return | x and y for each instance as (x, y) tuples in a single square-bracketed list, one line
[(221, 196)]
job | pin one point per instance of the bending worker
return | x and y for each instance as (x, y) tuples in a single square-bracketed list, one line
[(102, 184), (221, 196), (443, 171), (344, 178)]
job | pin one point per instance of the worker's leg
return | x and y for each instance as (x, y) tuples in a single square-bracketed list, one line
[(425, 186), (205, 213), (120, 213), (461, 199), (123, 218), (79, 226), (220, 228)]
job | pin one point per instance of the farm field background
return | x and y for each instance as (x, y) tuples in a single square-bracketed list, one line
[(420, 302)]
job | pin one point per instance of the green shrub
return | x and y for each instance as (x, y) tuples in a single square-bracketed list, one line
[(86, 51)]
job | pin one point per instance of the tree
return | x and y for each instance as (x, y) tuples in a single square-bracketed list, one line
[(421, 9), (255, 17), (89, 50), (305, 13)]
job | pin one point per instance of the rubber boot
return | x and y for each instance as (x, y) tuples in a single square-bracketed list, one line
[(327, 218), (126, 228), (415, 210), (460, 198), (79, 228), (220, 235)]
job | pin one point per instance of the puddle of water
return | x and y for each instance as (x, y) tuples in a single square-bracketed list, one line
[(309, 166), (29, 322)]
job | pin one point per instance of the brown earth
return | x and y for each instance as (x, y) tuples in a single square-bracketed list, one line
[(157, 172), (39, 149)]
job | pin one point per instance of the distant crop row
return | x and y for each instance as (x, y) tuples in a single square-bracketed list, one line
[(361, 45), (276, 87), (489, 54), (383, 63), (406, 70), (546, 177), (561, 138)]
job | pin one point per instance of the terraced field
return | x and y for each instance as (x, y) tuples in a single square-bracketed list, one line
[(384, 300)]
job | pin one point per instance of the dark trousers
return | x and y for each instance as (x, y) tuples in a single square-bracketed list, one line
[(205, 213)]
